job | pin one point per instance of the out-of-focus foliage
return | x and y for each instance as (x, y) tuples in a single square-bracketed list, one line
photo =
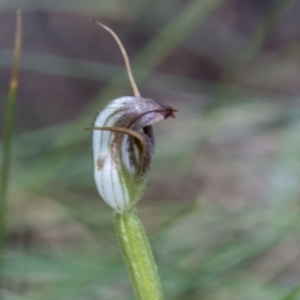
[(222, 205)]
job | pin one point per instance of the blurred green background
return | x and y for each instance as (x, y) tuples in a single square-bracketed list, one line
[(222, 204)]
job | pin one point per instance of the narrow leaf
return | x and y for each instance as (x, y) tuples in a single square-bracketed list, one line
[(7, 135)]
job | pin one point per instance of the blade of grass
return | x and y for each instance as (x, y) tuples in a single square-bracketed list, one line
[(251, 49), (8, 133), (294, 294), (261, 33)]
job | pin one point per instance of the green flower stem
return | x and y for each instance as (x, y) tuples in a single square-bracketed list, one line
[(138, 256)]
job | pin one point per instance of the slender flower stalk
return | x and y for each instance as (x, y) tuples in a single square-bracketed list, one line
[(123, 148), (138, 256)]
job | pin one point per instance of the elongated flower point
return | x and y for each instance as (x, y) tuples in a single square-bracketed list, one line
[(123, 146)]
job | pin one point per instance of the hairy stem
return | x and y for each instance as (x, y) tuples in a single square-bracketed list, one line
[(138, 256)]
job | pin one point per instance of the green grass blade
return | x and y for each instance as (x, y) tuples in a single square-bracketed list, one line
[(8, 133), (294, 294), (251, 49)]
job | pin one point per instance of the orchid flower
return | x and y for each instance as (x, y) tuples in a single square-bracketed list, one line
[(123, 146)]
